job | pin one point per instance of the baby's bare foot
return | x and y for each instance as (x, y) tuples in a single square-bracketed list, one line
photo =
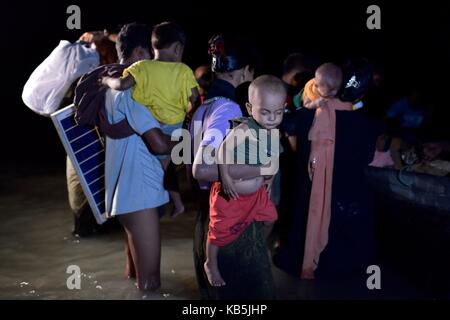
[(213, 274), (177, 210)]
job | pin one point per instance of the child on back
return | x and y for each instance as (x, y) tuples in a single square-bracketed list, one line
[(323, 87), (165, 85), (246, 200), (321, 94)]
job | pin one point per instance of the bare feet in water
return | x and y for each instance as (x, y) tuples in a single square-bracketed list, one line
[(130, 269), (213, 274), (150, 285), (130, 272)]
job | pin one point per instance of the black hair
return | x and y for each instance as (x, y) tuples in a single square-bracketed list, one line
[(299, 61), (132, 36), (241, 98), (167, 33), (294, 61), (228, 55)]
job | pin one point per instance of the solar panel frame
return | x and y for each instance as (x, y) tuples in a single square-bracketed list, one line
[(84, 146)]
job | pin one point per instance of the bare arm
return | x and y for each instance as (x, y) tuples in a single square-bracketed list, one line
[(205, 166), (227, 182), (209, 172), (158, 141), (192, 99), (308, 103), (268, 184), (121, 84), (293, 142), (224, 154)]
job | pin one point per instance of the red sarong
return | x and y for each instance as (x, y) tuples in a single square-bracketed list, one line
[(228, 218)]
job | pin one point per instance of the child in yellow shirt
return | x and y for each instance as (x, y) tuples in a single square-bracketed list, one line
[(165, 85)]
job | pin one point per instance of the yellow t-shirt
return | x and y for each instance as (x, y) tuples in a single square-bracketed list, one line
[(164, 87)]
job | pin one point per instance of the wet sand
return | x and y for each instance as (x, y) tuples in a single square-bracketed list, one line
[(36, 247)]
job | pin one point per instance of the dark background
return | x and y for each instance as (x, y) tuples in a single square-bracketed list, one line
[(412, 46)]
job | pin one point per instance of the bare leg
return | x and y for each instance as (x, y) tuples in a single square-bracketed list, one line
[(178, 205), (211, 266), (145, 246), (130, 269)]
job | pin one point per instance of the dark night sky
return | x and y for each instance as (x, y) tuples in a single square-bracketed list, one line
[(413, 45)]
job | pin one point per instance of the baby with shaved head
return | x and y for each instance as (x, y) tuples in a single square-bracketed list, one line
[(267, 97), (236, 201), (321, 94), (325, 85)]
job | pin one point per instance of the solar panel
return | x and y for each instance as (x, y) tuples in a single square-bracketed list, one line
[(86, 150)]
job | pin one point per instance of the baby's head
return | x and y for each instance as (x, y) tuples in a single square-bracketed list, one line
[(267, 100), (328, 80), (170, 38)]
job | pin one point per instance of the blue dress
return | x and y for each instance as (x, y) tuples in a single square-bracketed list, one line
[(133, 175)]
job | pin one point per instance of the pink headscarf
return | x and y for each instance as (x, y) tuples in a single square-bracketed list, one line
[(322, 136)]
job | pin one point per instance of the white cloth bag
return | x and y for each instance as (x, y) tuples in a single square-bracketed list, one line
[(49, 82)]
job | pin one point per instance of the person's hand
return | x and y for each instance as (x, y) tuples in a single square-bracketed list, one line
[(268, 185), (92, 36), (432, 150), (227, 183), (104, 80), (270, 168), (321, 102)]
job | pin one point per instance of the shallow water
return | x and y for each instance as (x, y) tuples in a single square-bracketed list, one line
[(36, 247)]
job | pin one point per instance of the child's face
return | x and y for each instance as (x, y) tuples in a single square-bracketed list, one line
[(323, 88), (267, 109)]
